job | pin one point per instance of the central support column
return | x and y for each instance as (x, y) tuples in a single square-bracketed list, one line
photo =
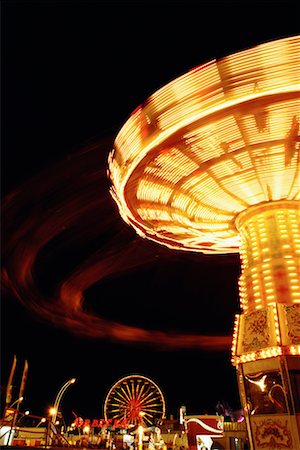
[(266, 339)]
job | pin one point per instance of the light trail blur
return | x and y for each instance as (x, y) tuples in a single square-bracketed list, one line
[(63, 235)]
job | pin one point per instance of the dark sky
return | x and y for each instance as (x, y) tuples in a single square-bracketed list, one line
[(72, 72)]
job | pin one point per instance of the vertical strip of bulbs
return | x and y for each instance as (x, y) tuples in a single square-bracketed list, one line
[(276, 324), (235, 337)]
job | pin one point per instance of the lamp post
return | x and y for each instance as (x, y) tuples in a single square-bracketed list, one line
[(18, 401), (15, 415), (43, 420), (59, 397), (25, 414)]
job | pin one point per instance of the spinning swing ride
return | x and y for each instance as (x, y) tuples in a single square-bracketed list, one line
[(209, 163)]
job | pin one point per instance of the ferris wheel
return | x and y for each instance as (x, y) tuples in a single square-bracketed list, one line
[(134, 400)]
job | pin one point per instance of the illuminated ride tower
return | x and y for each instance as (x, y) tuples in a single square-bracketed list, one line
[(210, 163)]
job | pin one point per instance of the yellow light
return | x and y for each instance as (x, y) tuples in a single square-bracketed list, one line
[(235, 334), (52, 411), (261, 383), (209, 163), (187, 143)]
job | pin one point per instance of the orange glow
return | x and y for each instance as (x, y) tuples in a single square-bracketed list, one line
[(81, 212), (52, 411), (204, 149), (211, 164), (235, 337), (209, 145), (270, 253), (269, 352), (280, 339)]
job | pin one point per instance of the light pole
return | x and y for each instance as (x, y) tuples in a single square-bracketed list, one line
[(59, 397), (15, 415), (43, 420), (18, 401), (25, 414)]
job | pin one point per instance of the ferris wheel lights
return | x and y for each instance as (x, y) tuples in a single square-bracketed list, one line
[(134, 400)]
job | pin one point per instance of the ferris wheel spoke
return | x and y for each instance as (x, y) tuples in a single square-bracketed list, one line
[(122, 398), (126, 391), (131, 396), (133, 390), (116, 409), (138, 386), (153, 411), (148, 388), (141, 391), (147, 397), (148, 420), (121, 402), (152, 402)]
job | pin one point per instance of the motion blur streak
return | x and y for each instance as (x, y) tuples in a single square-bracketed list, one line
[(66, 213)]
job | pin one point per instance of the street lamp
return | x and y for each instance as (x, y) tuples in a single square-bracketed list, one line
[(18, 401), (59, 397), (43, 420), (25, 414), (15, 415)]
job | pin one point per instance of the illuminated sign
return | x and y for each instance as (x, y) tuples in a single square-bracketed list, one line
[(205, 425), (100, 423)]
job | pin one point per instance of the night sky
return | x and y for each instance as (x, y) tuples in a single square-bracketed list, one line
[(72, 73)]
